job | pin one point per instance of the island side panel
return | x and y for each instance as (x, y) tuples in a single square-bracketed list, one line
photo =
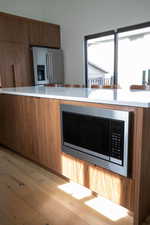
[(142, 194), (136, 161)]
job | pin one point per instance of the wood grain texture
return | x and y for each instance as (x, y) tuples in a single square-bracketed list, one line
[(0, 79), (15, 67), (33, 131), (17, 35), (74, 169), (36, 135), (30, 195), (44, 34), (24, 30), (111, 186), (132, 193), (142, 203), (13, 29), (105, 183)]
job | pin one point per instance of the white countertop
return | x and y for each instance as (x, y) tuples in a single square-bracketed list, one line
[(106, 96)]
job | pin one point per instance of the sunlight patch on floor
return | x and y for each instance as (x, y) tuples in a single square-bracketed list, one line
[(107, 208), (76, 190)]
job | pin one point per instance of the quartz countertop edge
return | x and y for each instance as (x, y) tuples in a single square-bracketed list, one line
[(99, 96)]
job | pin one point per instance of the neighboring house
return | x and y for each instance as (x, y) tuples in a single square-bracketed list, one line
[(96, 75)]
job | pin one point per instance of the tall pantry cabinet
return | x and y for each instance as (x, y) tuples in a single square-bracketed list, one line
[(15, 65)]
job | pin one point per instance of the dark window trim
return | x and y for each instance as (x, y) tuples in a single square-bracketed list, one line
[(106, 33), (88, 37), (86, 62), (133, 27), (97, 35), (116, 59)]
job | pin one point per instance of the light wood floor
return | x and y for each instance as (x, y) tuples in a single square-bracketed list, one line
[(29, 195)]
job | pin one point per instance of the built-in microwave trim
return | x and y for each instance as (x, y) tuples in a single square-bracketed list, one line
[(84, 154)]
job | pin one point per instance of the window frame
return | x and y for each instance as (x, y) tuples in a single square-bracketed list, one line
[(106, 33)]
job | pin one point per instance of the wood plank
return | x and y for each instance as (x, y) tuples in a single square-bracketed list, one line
[(36, 190), (73, 168), (142, 203), (111, 186), (4, 220), (35, 126)]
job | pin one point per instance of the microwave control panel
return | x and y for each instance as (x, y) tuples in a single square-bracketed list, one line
[(117, 141)]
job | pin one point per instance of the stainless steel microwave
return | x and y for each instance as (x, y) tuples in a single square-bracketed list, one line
[(99, 136)]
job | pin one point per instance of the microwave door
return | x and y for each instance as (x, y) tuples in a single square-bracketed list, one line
[(49, 66), (86, 133)]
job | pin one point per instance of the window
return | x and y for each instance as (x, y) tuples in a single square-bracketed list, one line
[(119, 57)]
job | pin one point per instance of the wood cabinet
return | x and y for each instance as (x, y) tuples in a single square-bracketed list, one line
[(44, 34), (35, 132), (111, 186), (13, 28), (30, 127), (16, 66), (74, 169), (16, 37), (0, 80)]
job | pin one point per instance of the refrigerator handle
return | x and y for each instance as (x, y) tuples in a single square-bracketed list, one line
[(50, 67), (47, 71)]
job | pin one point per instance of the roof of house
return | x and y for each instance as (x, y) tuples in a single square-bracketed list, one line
[(97, 67)]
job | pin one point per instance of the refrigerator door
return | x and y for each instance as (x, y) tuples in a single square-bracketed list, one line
[(40, 67), (55, 66), (49, 60)]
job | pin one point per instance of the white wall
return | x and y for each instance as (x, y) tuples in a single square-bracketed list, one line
[(78, 18)]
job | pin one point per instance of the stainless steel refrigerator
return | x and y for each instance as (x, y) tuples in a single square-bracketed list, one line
[(48, 65)]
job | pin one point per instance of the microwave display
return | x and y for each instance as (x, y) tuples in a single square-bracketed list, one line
[(98, 136)]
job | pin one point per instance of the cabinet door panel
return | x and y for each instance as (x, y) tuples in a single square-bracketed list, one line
[(111, 186), (15, 68), (35, 33), (31, 127), (9, 116), (44, 34), (7, 59), (13, 28), (74, 169), (22, 66), (54, 35)]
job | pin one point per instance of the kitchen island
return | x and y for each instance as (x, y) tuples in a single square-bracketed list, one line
[(103, 96), (31, 126)]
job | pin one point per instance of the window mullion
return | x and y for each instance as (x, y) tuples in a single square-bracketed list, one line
[(116, 58)]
